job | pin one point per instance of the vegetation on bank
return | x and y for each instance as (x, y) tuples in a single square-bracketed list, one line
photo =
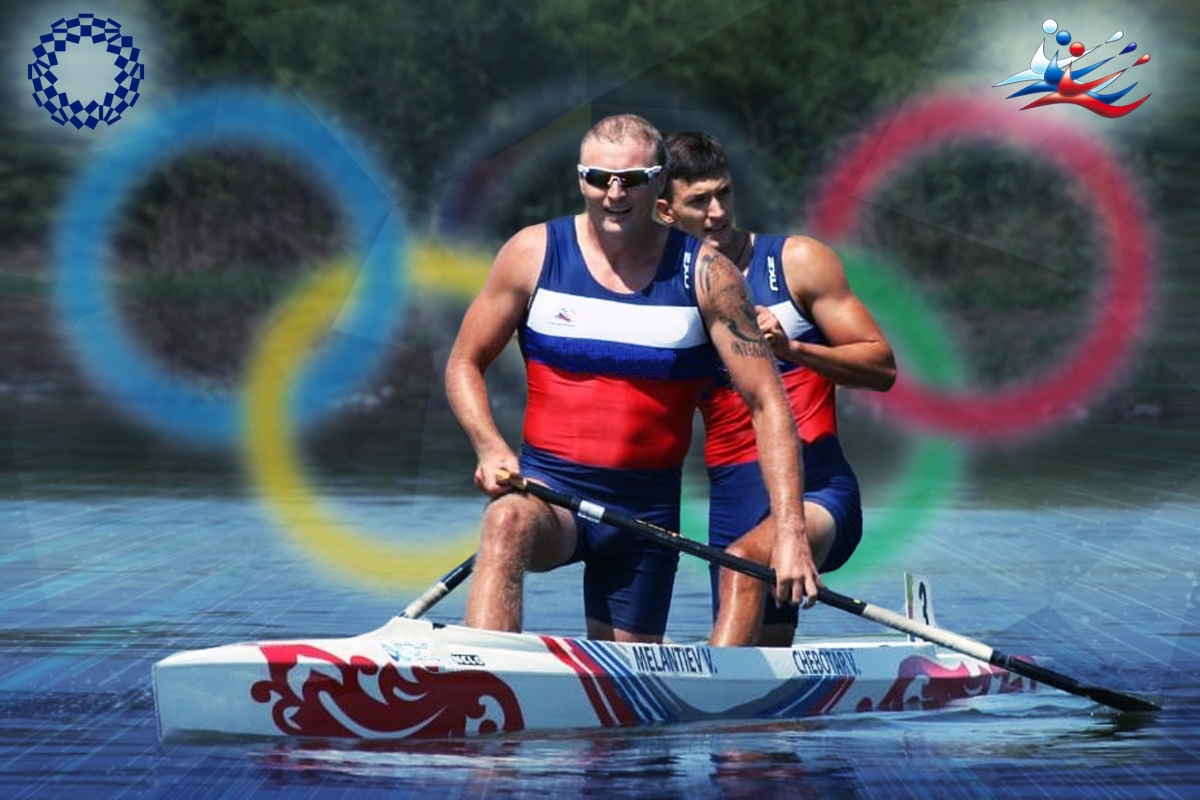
[(211, 242)]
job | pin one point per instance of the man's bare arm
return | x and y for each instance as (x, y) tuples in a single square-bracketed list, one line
[(488, 326), (725, 304), (858, 355)]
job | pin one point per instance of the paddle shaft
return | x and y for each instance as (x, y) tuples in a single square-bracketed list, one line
[(444, 586), (951, 641)]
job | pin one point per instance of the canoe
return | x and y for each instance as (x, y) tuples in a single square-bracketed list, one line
[(418, 679)]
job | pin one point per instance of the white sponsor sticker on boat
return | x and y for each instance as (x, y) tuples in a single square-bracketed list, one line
[(412, 654), (672, 659), (825, 661), (467, 659)]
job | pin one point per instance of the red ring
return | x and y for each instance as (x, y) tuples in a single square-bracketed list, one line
[(1124, 296)]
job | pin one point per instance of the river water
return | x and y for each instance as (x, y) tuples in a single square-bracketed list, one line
[(97, 586)]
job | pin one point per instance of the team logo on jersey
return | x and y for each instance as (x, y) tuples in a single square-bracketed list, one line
[(565, 316), (1058, 76)]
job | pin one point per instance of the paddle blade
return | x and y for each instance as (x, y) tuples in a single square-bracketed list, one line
[(1113, 699), (1120, 701)]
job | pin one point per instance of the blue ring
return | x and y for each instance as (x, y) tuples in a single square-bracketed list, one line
[(91, 318)]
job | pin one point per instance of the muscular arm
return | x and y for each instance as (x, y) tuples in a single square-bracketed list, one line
[(487, 327), (725, 304), (858, 355)]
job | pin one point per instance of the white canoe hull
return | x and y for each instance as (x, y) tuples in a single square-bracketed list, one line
[(412, 678)]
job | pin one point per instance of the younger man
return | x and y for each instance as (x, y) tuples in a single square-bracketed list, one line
[(822, 335)]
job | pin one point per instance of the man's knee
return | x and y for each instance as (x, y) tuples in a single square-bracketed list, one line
[(511, 525), (740, 549), (525, 532), (755, 545)]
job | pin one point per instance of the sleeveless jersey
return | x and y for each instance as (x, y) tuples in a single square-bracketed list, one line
[(727, 421), (614, 378)]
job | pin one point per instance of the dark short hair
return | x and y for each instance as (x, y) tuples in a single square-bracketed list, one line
[(693, 156)]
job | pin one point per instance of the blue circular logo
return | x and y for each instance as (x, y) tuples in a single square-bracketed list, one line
[(55, 99)]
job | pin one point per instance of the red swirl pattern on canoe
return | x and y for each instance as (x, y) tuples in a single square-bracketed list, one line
[(333, 701), (925, 684)]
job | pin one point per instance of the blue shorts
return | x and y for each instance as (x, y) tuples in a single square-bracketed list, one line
[(627, 579), (738, 501)]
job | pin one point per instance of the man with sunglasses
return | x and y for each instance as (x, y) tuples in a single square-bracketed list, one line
[(622, 322), (822, 335)]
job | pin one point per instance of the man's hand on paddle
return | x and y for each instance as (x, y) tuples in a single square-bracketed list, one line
[(492, 471), (796, 576)]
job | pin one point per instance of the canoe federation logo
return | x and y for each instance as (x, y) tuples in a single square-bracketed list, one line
[(1060, 76), (56, 99)]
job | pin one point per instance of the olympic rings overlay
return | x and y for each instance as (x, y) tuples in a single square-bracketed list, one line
[(274, 462), (1123, 299), (90, 316), (55, 100)]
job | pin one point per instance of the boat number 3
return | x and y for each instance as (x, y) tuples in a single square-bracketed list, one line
[(918, 599)]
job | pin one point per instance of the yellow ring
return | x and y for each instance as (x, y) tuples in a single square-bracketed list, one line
[(274, 461), (459, 274)]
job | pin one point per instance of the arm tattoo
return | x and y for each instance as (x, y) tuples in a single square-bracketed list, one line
[(733, 308), (747, 319), (751, 349)]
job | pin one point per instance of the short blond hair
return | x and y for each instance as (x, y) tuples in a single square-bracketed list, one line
[(621, 127)]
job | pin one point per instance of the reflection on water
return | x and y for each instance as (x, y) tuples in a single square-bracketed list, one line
[(664, 764), (872, 755)]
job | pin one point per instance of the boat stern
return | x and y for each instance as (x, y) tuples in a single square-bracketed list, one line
[(407, 679)]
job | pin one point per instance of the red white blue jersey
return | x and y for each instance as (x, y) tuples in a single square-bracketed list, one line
[(727, 421), (614, 378)]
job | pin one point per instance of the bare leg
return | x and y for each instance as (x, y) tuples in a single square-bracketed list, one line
[(739, 621), (519, 534)]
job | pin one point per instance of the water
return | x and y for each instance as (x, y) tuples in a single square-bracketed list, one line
[(95, 587)]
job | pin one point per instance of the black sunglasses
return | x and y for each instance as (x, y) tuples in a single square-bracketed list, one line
[(628, 178)]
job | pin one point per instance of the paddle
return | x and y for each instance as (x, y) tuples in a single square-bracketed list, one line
[(444, 586), (951, 641)]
